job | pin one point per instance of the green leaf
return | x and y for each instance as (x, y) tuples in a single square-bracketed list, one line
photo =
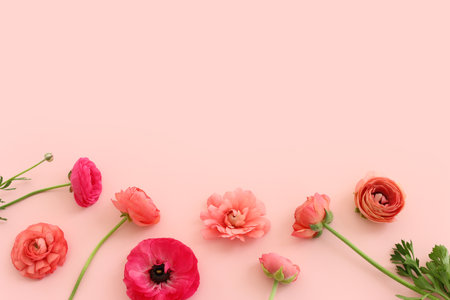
[(22, 178), (413, 298), (1, 180)]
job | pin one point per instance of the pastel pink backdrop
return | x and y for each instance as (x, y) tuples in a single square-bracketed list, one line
[(188, 98)]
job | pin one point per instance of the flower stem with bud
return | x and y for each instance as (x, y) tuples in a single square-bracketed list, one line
[(125, 217), (5, 184)]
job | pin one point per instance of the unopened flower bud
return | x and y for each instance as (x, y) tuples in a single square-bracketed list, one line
[(48, 157)]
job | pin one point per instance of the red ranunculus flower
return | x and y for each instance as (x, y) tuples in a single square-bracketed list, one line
[(379, 199)]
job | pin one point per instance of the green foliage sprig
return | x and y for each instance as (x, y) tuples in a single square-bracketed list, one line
[(434, 277)]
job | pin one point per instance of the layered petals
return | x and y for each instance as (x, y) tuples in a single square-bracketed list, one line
[(238, 214), (38, 250), (379, 199)]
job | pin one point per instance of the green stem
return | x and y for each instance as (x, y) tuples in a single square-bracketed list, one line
[(34, 193), (377, 265), (274, 289), (88, 262)]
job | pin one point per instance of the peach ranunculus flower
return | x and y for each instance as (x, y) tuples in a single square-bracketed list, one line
[(138, 205), (38, 250), (236, 214), (379, 199), (310, 215), (279, 268)]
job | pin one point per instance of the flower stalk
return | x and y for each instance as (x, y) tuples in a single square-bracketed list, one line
[(125, 217), (274, 289), (34, 193)]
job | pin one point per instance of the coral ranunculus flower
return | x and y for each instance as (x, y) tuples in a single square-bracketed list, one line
[(38, 250), (162, 268), (312, 212), (237, 214), (86, 182), (379, 199), (279, 268), (138, 205)]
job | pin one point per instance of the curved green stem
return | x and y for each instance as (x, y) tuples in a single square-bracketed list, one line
[(88, 262), (377, 265), (33, 193), (274, 289)]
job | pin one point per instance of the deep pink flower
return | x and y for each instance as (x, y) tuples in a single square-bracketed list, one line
[(312, 212), (86, 182), (237, 214), (138, 205), (379, 199), (161, 269), (279, 268), (38, 250)]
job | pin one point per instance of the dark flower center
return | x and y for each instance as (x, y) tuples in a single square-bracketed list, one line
[(157, 274)]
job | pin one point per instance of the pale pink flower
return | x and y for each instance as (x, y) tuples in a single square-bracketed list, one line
[(279, 268), (38, 250), (237, 214), (311, 212)]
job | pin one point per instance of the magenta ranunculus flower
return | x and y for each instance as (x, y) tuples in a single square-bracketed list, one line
[(237, 214), (86, 181), (162, 268)]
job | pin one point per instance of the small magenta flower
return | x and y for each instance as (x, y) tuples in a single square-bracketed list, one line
[(280, 269)]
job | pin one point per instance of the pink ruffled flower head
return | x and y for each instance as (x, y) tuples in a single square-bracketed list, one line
[(313, 212), (160, 269), (237, 214), (279, 268), (38, 250), (379, 199), (86, 182), (138, 206)]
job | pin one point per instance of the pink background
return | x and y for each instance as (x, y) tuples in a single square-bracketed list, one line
[(188, 98)]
